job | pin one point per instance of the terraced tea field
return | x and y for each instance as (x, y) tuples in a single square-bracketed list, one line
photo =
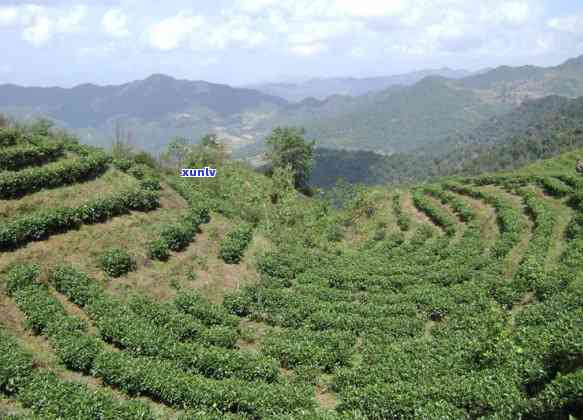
[(128, 293)]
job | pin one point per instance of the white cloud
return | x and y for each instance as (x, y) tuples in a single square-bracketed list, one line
[(197, 33), (171, 33), (115, 23), (308, 50), (8, 16), (39, 24), (371, 8), (568, 24), (39, 32)]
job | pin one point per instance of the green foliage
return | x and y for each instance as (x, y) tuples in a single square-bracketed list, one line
[(16, 365), (177, 236), (20, 276), (18, 157), (122, 164), (116, 262), (403, 220), (52, 397), (9, 136), (233, 245), (288, 148), (323, 350), (16, 184), (438, 215), (158, 250), (38, 226)]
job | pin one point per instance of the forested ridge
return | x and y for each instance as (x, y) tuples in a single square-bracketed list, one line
[(538, 129)]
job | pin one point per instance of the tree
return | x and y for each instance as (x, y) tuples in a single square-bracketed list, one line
[(288, 148)]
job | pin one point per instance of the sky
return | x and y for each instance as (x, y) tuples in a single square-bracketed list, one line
[(69, 42)]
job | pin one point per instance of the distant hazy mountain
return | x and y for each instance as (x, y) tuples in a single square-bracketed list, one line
[(322, 88), (400, 119), (150, 110)]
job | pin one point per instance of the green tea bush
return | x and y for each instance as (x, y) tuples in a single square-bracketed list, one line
[(555, 187), (403, 221), (323, 350), (18, 157), (35, 227), (9, 137), (57, 174), (122, 164), (438, 215), (16, 365), (178, 236), (151, 184), (158, 249), (116, 262), (51, 397), (234, 244), (194, 304), (20, 276)]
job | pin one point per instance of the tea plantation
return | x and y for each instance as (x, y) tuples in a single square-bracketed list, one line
[(127, 292)]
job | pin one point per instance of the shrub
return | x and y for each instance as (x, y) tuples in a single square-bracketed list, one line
[(116, 262), (158, 250), (9, 137), (151, 184), (234, 244), (16, 366), (122, 164), (18, 157), (139, 171), (41, 225), (177, 236), (57, 174), (21, 276)]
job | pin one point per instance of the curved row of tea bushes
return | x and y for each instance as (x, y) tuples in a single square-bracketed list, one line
[(437, 214), (531, 270), (50, 397), (234, 244), (119, 325), (403, 220), (53, 175), (39, 226), (465, 212), (510, 219), (18, 157), (326, 350), (176, 237), (555, 187), (184, 327), (161, 380)]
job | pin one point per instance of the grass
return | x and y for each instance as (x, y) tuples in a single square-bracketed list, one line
[(69, 196), (514, 257), (563, 214)]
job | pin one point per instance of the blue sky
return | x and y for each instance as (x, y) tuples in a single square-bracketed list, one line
[(64, 42)]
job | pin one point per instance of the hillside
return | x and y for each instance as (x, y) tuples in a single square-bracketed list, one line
[(405, 114), (128, 292), (322, 88), (537, 129), (148, 111), (434, 108)]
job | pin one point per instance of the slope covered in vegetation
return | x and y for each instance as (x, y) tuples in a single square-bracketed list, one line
[(536, 130), (132, 293)]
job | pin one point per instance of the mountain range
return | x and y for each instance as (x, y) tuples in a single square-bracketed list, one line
[(537, 129), (322, 88), (406, 114)]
